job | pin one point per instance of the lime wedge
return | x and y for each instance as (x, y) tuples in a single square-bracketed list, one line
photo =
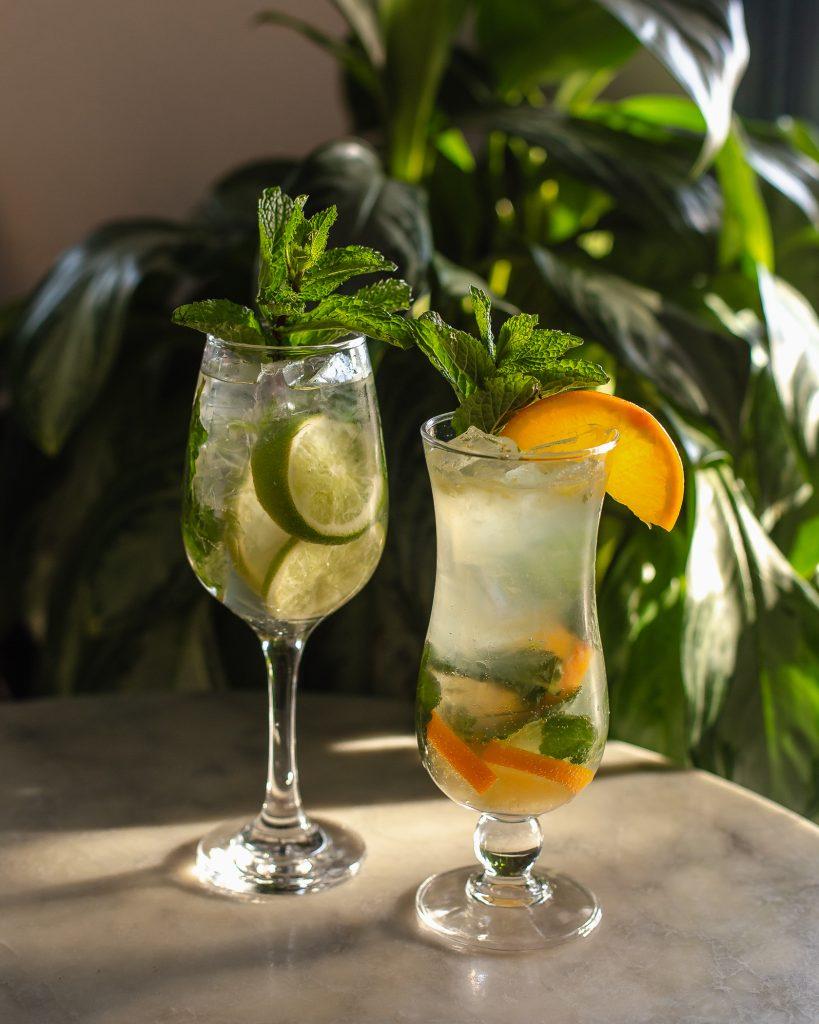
[(317, 477), (254, 538), (308, 581)]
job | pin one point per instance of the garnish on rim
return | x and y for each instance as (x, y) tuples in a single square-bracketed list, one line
[(493, 377), (298, 276)]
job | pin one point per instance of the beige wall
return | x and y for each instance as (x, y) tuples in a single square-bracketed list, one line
[(111, 108)]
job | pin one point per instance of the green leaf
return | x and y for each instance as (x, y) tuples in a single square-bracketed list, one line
[(701, 370), (490, 407), (750, 651), (345, 314), (531, 43), (373, 210), (223, 319), (569, 737), (640, 602), (362, 18), (68, 336), (793, 343), (336, 266), (418, 35), (703, 44), (515, 336), (650, 180), (347, 56), (789, 171), (535, 346), (318, 230), (390, 294), (428, 695), (276, 212), (461, 358), (746, 230), (482, 308), (556, 375)]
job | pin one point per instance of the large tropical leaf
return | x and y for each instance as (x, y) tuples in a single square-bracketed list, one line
[(750, 651), (373, 209), (703, 44), (68, 337), (649, 180), (700, 370), (640, 602), (528, 43), (794, 174), (418, 35), (793, 339), (746, 229)]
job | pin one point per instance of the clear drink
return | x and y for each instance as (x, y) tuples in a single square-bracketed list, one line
[(512, 702), (512, 708), (284, 532), (284, 521)]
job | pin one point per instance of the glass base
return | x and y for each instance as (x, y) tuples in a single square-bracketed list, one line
[(255, 860), (561, 909)]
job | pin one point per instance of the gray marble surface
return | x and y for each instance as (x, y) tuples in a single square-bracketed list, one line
[(709, 893)]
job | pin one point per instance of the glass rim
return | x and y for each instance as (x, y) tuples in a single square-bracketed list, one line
[(341, 345), (427, 435)]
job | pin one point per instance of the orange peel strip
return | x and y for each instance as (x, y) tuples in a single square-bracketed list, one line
[(573, 776), (460, 756)]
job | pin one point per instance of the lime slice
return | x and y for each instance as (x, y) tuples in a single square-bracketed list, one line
[(308, 581), (254, 538), (317, 477)]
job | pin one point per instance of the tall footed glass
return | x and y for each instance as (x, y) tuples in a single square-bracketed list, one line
[(284, 521), (512, 708)]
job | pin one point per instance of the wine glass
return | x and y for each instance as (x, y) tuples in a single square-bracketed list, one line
[(284, 521), (512, 709)]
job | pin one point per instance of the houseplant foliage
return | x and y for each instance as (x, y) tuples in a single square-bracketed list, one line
[(681, 241)]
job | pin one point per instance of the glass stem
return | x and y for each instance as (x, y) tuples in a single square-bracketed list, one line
[(282, 810), (508, 849)]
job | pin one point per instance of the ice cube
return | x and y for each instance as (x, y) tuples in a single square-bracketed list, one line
[(272, 387), (478, 442), (227, 365), (321, 371)]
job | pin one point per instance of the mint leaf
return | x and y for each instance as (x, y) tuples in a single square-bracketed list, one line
[(429, 691), (336, 266), (223, 319), (569, 737), (345, 314), (537, 345), (490, 407), (482, 308), (390, 293), (318, 230), (461, 358), (298, 275), (516, 334), (276, 210), (556, 375)]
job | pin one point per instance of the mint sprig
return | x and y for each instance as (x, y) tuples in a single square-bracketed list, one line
[(495, 377), (297, 281)]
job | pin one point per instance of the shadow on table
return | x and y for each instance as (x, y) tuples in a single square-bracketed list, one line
[(136, 762)]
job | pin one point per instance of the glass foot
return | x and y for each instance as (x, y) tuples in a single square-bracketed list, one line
[(558, 909), (254, 860)]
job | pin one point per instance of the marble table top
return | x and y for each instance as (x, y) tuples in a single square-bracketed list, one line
[(709, 893)]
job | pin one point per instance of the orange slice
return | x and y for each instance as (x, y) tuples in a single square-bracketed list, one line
[(645, 469), (460, 756), (575, 655), (573, 776)]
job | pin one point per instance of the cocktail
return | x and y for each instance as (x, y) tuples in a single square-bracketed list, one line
[(512, 708), (286, 501), (284, 521)]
